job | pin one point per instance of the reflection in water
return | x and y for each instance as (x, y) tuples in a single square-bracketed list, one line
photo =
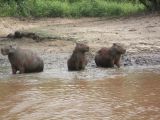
[(131, 97)]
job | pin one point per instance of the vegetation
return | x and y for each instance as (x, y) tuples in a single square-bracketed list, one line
[(153, 5), (70, 8)]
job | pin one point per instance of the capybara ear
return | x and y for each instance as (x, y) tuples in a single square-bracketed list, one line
[(11, 49), (114, 44)]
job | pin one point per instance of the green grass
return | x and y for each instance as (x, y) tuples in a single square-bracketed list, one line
[(70, 8)]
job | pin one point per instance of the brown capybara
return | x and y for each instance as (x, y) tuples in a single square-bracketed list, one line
[(18, 34), (107, 57), (78, 61), (23, 60)]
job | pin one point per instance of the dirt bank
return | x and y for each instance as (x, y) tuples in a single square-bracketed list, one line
[(140, 35)]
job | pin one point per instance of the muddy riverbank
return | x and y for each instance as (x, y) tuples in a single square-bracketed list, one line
[(129, 93), (140, 35)]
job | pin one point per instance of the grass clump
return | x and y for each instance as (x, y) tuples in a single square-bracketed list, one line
[(100, 8), (69, 8)]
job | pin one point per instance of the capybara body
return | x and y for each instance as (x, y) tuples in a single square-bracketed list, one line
[(78, 61), (18, 34), (23, 60), (108, 57)]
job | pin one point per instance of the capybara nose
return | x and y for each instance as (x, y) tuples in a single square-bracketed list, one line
[(3, 51), (87, 48)]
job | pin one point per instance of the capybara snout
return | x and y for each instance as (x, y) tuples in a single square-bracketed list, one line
[(119, 48), (6, 50)]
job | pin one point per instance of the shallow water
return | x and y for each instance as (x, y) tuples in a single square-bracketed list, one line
[(94, 94)]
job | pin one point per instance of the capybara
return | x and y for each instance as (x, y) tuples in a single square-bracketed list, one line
[(23, 60), (78, 61), (107, 57), (18, 34)]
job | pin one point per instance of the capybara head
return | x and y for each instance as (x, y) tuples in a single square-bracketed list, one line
[(17, 34), (7, 50), (118, 48), (10, 35), (81, 47)]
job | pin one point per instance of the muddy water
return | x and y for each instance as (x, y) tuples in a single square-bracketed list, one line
[(124, 94)]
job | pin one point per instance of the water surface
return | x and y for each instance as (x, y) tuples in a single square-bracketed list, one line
[(121, 96)]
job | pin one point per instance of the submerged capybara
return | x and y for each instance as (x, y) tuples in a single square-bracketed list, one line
[(107, 57), (23, 60), (78, 61)]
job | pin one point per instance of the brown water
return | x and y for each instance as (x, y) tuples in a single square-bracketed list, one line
[(134, 96)]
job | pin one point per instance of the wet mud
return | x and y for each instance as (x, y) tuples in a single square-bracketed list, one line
[(56, 53)]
